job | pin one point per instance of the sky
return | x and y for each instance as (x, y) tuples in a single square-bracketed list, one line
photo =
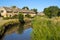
[(38, 4)]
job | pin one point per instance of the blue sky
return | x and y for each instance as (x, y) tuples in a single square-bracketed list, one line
[(39, 4)]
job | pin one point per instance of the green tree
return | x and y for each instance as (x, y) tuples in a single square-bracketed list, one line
[(25, 8), (58, 13), (51, 11), (13, 6), (35, 10), (21, 18)]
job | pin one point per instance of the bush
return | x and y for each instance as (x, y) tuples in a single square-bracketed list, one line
[(45, 29), (13, 17), (27, 15), (6, 18), (21, 17)]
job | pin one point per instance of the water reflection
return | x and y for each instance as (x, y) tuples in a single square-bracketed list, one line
[(15, 36), (18, 32), (21, 28)]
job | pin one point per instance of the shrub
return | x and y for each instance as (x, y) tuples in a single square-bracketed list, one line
[(13, 17), (5, 18), (27, 15), (21, 17)]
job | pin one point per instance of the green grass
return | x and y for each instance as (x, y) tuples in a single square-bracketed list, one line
[(4, 23), (45, 28)]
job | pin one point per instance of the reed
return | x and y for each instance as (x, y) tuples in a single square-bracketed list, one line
[(45, 28)]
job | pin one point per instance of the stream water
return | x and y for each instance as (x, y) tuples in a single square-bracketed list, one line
[(18, 33)]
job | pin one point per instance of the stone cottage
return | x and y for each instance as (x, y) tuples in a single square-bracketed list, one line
[(9, 11)]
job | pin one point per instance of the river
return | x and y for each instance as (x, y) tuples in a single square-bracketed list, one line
[(20, 32)]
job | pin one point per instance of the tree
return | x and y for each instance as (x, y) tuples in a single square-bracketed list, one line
[(25, 8), (21, 18), (51, 11), (58, 13), (13, 6), (35, 10)]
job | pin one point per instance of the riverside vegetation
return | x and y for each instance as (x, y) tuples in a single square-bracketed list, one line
[(45, 28), (6, 24), (10, 21)]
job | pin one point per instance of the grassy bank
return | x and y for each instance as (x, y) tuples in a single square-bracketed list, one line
[(45, 28), (4, 23)]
